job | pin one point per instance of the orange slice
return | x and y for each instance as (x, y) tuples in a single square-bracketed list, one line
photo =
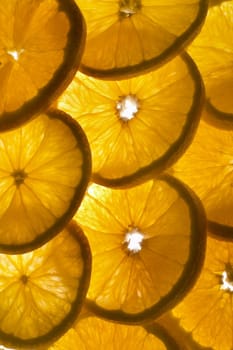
[(148, 244), (44, 172), (207, 168), (94, 333), (207, 310), (42, 291), (212, 50), (128, 37), (139, 126), (41, 43)]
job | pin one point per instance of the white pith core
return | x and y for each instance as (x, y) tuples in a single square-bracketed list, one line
[(15, 54), (226, 283), (127, 107), (127, 11), (134, 240), (129, 7)]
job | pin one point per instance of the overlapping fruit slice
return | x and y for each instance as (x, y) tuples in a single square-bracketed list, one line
[(137, 127), (41, 43), (148, 244), (125, 37), (207, 310), (42, 291), (44, 172), (207, 167), (213, 53), (94, 333)]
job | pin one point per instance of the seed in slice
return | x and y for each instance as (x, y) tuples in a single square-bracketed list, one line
[(128, 37), (42, 291), (139, 126), (207, 167), (94, 333), (212, 50), (41, 43), (44, 172), (147, 243), (207, 310)]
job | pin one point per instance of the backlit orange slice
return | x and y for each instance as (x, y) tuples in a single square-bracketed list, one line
[(41, 43), (148, 244), (44, 171)]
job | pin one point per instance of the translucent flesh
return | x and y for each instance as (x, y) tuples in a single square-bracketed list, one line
[(51, 276), (164, 96), (213, 53), (133, 282), (37, 32), (207, 167), (210, 322), (92, 332), (47, 151)]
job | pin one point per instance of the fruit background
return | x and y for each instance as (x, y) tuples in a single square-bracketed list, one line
[(116, 170)]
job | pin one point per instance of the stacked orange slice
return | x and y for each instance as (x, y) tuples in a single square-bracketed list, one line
[(42, 291), (128, 37), (41, 43), (45, 168), (137, 127), (148, 245)]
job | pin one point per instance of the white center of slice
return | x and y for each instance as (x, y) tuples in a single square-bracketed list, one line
[(134, 240), (129, 7), (127, 11), (15, 54), (127, 107), (226, 283)]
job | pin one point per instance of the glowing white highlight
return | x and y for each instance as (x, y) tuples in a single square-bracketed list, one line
[(127, 11), (15, 54), (127, 107), (226, 284), (134, 240)]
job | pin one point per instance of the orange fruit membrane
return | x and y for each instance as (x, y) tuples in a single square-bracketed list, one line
[(42, 291), (45, 167), (207, 168), (128, 37), (41, 43), (137, 127), (207, 310), (148, 245), (94, 333), (212, 50)]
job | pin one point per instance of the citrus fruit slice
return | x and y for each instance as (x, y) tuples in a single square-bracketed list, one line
[(94, 333), (137, 127), (207, 310), (147, 243), (127, 37), (41, 43), (44, 172), (212, 50), (42, 291), (207, 168)]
